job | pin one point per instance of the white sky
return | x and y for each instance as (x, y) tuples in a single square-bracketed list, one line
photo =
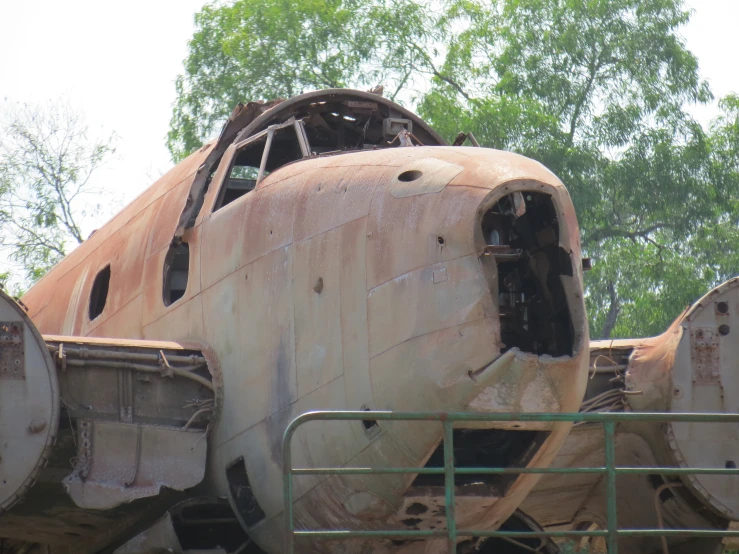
[(117, 61)]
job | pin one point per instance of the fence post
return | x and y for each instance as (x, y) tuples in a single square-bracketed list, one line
[(609, 427), (287, 484), (450, 499)]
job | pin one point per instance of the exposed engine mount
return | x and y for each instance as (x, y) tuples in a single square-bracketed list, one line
[(105, 420)]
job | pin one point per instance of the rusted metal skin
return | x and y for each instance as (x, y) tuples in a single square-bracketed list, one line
[(401, 322), (342, 283)]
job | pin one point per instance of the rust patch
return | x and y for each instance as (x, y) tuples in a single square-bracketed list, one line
[(705, 355), (416, 508), (318, 287), (12, 358)]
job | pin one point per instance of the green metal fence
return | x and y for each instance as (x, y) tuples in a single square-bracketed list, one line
[(610, 470)]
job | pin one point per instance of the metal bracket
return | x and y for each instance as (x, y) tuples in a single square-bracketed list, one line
[(12, 350), (164, 368), (62, 355), (461, 137), (705, 355)]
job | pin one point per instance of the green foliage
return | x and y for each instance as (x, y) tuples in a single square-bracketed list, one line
[(597, 91), (255, 49), (46, 161)]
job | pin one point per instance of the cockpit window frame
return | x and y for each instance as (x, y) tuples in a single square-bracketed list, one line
[(267, 135)]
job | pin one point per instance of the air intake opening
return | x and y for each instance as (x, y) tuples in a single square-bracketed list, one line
[(99, 293), (521, 232), (206, 524), (485, 448)]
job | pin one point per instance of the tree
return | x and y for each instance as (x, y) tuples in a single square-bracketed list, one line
[(597, 91), (46, 162), (276, 49)]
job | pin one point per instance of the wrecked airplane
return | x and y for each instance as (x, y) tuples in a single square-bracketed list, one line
[(327, 252)]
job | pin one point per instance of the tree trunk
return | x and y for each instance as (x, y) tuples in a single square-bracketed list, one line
[(612, 314)]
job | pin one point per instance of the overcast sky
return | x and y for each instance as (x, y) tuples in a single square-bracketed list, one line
[(117, 61)]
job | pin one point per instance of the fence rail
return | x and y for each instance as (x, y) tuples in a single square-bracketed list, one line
[(447, 420)]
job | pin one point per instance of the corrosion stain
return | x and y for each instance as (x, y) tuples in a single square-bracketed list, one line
[(318, 287), (282, 396), (416, 509)]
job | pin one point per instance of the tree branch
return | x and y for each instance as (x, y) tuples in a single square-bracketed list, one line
[(605, 233)]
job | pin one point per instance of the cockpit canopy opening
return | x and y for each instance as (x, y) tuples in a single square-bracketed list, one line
[(241, 180), (521, 232), (317, 123), (340, 121), (256, 156)]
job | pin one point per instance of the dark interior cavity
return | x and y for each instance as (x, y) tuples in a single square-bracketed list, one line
[(517, 522), (368, 424), (99, 293), (408, 176), (176, 272), (242, 495), (207, 524), (521, 232), (491, 448)]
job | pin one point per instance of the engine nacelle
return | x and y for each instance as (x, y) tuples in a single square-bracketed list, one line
[(693, 368), (29, 402), (105, 421)]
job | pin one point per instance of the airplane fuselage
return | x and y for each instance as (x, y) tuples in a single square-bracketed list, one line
[(373, 280)]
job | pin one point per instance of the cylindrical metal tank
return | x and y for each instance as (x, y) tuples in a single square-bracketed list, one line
[(29, 402), (693, 368)]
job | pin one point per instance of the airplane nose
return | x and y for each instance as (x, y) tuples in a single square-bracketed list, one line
[(471, 274)]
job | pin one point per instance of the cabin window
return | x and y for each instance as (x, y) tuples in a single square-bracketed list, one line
[(99, 293), (176, 272)]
